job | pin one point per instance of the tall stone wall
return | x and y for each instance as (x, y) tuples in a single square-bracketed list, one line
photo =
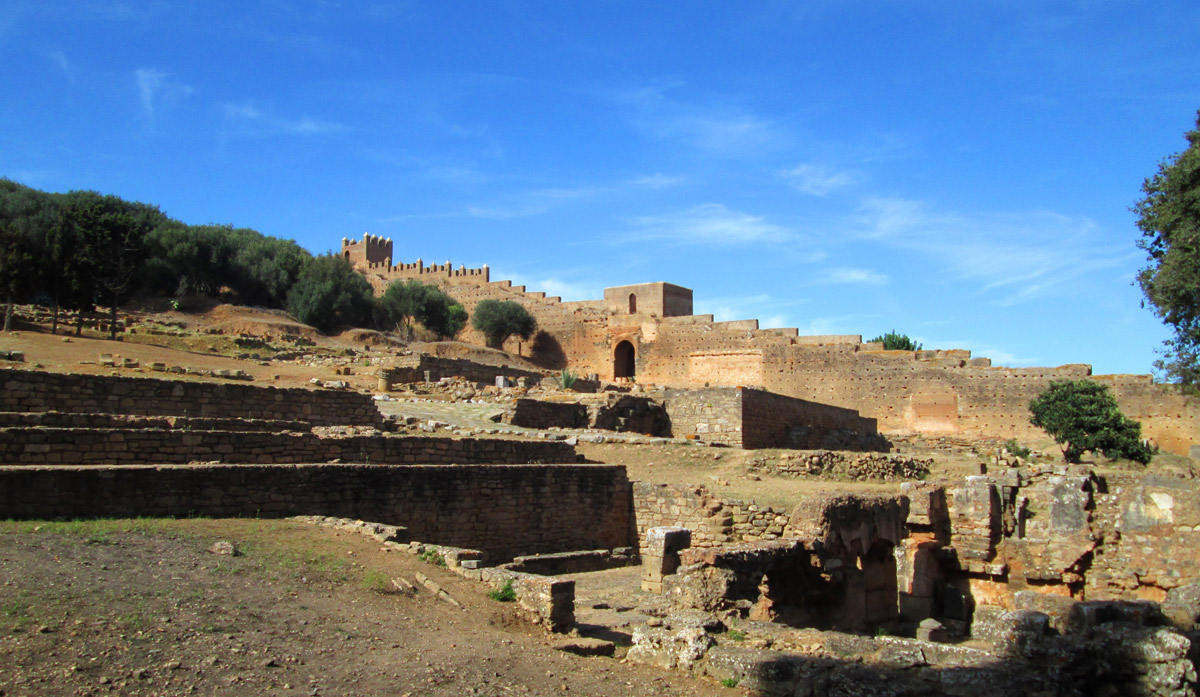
[(505, 511), (33, 391)]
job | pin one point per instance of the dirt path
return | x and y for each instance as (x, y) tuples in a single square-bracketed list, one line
[(140, 608)]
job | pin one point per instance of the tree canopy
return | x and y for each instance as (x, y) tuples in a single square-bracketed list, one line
[(329, 293), (1083, 416), (896, 342), (498, 320), (1169, 218)]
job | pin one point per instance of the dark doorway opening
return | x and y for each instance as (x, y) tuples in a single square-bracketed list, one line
[(624, 361)]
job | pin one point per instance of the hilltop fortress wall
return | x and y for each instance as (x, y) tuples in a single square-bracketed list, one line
[(648, 334)]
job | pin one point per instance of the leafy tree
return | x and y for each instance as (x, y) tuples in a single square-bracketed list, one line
[(1169, 218), (109, 239), (896, 342), (498, 320), (405, 301), (329, 293), (15, 262), (1082, 416), (400, 303)]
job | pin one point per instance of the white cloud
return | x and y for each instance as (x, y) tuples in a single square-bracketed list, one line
[(817, 180), (254, 121), (711, 224), (154, 86)]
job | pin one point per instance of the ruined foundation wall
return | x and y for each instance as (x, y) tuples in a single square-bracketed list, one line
[(32, 391), (423, 367), (713, 521), (504, 511)]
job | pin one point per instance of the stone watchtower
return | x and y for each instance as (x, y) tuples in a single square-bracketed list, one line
[(373, 252)]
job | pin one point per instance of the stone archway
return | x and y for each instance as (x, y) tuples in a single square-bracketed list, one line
[(624, 360)]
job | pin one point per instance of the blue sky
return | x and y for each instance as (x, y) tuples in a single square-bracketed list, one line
[(959, 171)]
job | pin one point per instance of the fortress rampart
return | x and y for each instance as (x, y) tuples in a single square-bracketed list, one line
[(646, 333)]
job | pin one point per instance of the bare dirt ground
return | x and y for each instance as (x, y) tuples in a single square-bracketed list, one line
[(141, 608)]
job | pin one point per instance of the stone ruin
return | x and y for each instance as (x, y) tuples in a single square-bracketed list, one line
[(1041, 580)]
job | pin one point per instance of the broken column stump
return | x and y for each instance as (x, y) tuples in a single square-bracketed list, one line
[(662, 554)]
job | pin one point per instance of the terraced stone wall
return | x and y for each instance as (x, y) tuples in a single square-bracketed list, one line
[(103, 446), (505, 511), (33, 391)]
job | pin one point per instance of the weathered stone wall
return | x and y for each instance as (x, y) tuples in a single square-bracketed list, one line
[(713, 521), (32, 391), (713, 415), (1060, 531), (423, 367), (751, 418), (43, 446), (505, 511)]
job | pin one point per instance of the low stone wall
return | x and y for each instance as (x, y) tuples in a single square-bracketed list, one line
[(864, 466), (32, 391), (534, 413), (504, 511), (51, 446), (425, 368)]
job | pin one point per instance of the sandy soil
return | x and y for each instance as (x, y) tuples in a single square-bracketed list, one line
[(141, 608)]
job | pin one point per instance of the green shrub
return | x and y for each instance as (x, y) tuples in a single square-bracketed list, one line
[(1015, 448), (432, 556), (730, 682), (896, 342), (737, 635), (566, 379), (506, 594)]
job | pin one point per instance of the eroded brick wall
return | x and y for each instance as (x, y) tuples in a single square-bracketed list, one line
[(505, 511), (33, 391)]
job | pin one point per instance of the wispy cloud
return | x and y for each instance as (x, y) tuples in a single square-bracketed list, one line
[(254, 121), (1017, 256), (817, 180), (155, 86), (716, 126), (534, 202), (710, 224), (847, 275), (60, 59)]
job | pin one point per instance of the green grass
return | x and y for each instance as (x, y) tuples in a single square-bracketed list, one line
[(506, 594), (730, 682), (375, 580), (737, 635)]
